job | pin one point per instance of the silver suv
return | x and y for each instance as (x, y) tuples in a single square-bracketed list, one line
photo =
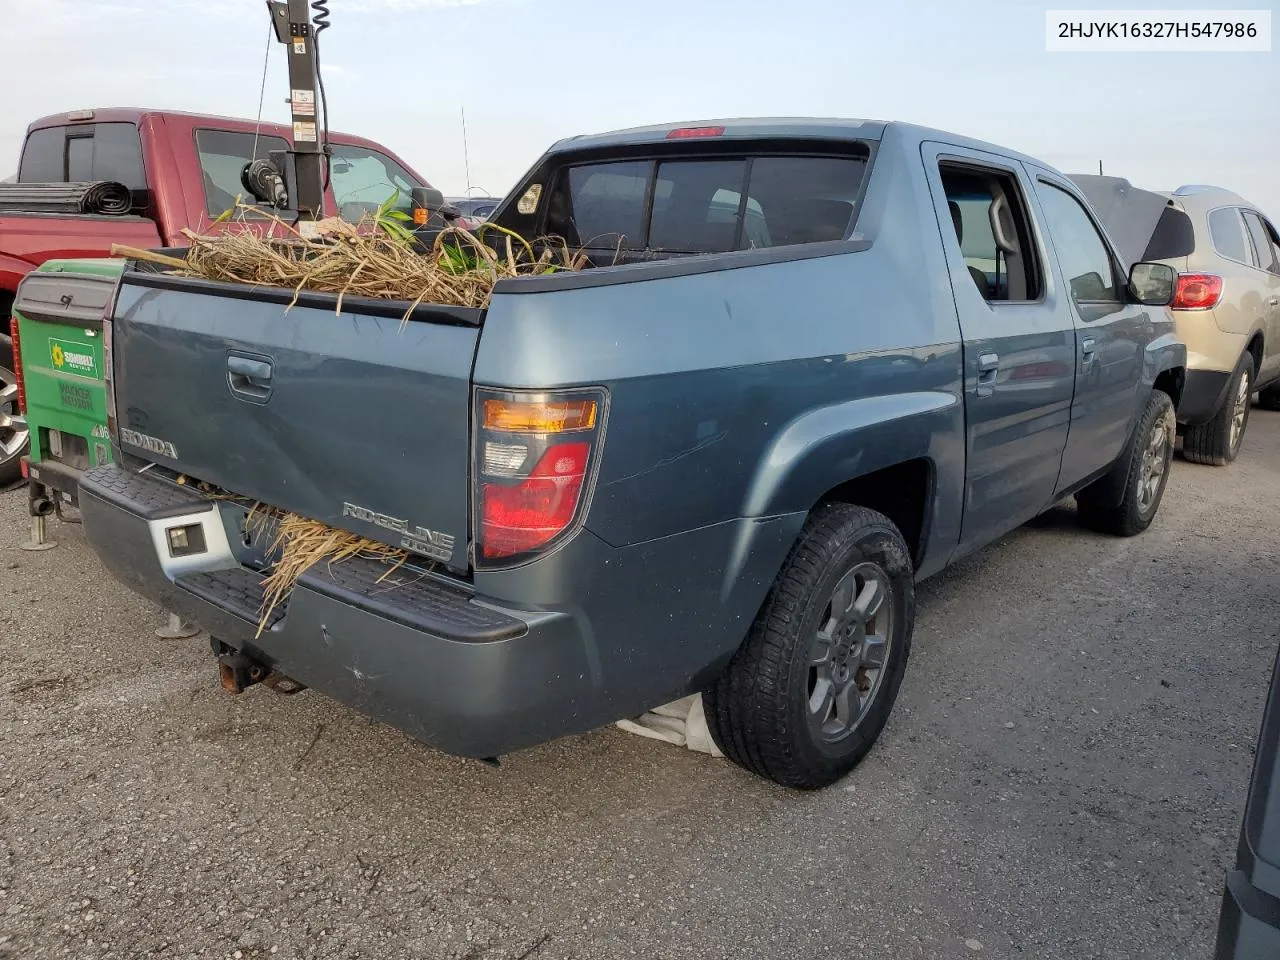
[(1227, 306)]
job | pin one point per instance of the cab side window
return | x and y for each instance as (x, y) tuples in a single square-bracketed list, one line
[(991, 225), (1086, 261)]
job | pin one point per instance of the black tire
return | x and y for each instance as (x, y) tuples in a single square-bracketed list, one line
[(759, 711), (1269, 399), (1145, 464), (1214, 442)]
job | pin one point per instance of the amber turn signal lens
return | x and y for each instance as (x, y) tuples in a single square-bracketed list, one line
[(554, 416), (420, 216)]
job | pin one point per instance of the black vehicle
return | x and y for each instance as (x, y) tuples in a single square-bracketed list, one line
[(1249, 925)]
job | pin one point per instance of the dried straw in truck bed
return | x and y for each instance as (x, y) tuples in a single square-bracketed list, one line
[(376, 259)]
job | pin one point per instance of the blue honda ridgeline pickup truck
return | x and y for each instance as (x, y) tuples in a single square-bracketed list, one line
[(816, 361)]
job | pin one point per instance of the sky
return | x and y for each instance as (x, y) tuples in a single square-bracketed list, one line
[(528, 72)]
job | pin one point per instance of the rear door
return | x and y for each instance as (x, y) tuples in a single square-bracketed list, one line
[(1111, 334), (1019, 345), (1266, 258)]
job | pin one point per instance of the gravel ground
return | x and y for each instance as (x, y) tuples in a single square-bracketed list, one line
[(1062, 778)]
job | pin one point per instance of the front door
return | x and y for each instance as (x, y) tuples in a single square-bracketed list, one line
[(1112, 334), (1019, 344)]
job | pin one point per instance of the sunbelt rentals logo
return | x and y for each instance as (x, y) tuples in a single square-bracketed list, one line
[(68, 356)]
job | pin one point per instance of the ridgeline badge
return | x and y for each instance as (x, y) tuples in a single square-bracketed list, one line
[(68, 356)]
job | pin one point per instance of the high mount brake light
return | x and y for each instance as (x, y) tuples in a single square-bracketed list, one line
[(534, 463), (17, 365), (1197, 291), (693, 133)]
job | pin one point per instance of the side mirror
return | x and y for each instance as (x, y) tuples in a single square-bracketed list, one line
[(1152, 284), (427, 202)]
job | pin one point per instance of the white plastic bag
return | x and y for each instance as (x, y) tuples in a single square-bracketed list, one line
[(682, 723)]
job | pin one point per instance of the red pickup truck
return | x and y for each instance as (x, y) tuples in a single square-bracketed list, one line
[(183, 170)]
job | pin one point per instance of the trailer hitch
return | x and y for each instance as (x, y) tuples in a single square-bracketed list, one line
[(238, 672)]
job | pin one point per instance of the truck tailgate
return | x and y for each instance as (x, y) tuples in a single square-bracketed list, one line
[(354, 420)]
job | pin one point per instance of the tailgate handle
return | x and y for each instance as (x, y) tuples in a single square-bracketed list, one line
[(249, 377)]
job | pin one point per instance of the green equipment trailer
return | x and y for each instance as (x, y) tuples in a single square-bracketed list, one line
[(58, 345)]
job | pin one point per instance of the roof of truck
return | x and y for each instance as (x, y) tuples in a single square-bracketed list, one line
[(138, 114), (830, 128)]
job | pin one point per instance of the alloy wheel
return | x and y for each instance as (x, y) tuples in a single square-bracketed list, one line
[(849, 651)]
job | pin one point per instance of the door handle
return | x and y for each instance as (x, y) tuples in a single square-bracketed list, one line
[(249, 377), (1086, 349), (988, 367)]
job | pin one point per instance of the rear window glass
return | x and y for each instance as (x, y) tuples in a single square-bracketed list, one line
[(607, 204), (84, 152), (223, 155), (44, 157), (1227, 233), (707, 205)]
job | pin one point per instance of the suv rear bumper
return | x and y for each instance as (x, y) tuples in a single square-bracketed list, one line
[(468, 675), (1202, 395)]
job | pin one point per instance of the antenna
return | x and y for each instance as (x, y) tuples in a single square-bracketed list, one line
[(466, 158), (1099, 168)]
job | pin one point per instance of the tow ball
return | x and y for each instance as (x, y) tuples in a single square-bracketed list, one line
[(238, 672)]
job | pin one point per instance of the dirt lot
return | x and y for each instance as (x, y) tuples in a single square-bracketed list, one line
[(1063, 777)]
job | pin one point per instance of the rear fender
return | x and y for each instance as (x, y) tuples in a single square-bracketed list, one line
[(827, 447)]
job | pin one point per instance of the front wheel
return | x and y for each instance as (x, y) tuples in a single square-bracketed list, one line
[(1146, 462), (809, 691)]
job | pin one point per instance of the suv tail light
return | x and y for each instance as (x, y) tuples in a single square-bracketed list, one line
[(1197, 291), (534, 463), (17, 365)]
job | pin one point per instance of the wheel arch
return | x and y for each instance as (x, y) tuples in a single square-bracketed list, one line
[(900, 454)]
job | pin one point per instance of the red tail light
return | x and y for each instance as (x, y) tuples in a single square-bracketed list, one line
[(17, 366), (534, 459), (1197, 291)]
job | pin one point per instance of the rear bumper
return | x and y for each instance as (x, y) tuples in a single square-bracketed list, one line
[(468, 675), (1202, 395)]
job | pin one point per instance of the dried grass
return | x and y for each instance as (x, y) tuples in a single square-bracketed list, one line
[(299, 544), (375, 258)]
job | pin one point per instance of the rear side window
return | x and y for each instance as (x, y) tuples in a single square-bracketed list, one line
[(981, 201), (711, 205), (223, 155), (1264, 251), (84, 152), (1227, 234)]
